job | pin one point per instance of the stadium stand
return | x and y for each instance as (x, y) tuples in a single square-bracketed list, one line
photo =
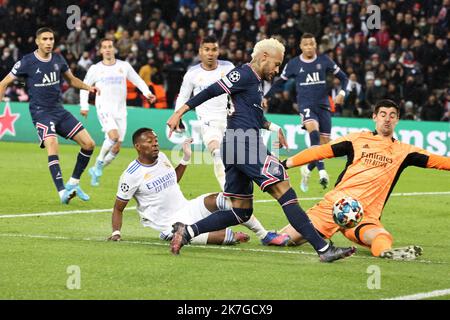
[(407, 59)]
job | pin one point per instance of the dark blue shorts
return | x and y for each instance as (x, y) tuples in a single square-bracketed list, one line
[(246, 163), (321, 115), (59, 121)]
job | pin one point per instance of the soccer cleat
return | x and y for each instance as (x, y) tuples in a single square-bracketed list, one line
[(179, 238), (241, 237), (275, 239), (404, 253), (67, 196), (94, 177), (323, 178), (78, 191), (99, 168), (335, 253), (81, 194), (304, 171)]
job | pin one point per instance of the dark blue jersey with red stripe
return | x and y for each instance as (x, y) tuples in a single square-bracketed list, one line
[(310, 79), (244, 87), (43, 79)]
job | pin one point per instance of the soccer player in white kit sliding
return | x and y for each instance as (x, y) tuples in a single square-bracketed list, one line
[(213, 117), (110, 74), (153, 182)]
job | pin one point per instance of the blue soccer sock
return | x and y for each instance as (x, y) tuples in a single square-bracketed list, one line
[(320, 165), (82, 161), (220, 220), (300, 221), (55, 171), (314, 137)]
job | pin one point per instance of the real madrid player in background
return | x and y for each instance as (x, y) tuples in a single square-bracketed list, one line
[(245, 156), (42, 70), (153, 182), (375, 162), (213, 117), (310, 73), (110, 75)]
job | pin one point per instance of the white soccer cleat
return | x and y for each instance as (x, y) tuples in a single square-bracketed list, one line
[(324, 179), (304, 171), (404, 253)]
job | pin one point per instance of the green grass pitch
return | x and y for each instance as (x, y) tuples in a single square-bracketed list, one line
[(36, 251)]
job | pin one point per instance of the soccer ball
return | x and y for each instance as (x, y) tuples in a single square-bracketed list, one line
[(347, 212)]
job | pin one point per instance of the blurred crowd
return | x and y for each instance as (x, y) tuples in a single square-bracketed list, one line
[(407, 59)]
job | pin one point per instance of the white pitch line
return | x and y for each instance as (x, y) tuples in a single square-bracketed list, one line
[(210, 247), (423, 295), (57, 213)]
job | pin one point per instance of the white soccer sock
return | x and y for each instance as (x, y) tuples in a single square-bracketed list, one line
[(109, 158), (256, 226), (74, 181), (222, 202), (219, 169), (229, 237), (106, 147)]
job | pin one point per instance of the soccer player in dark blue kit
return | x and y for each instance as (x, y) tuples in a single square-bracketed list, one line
[(310, 71), (246, 158), (42, 70)]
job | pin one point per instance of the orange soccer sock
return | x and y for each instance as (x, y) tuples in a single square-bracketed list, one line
[(380, 243)]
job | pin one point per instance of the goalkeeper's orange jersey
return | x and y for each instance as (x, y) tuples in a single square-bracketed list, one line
[(373, 167)]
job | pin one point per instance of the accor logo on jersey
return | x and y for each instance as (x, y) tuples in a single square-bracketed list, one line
[(48, 80), (312, 78), (375, 160)]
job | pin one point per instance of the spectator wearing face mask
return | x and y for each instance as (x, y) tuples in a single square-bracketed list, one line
[(6, 62), (77, 41)]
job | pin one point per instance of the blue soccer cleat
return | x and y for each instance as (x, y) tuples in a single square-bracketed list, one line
[(94, 177), (68, 195), (275, 239), (78, 191), (99, 168)]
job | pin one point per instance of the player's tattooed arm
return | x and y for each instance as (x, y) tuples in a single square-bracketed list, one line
[(282, 143)]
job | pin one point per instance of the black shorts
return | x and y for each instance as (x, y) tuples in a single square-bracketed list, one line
[(59, 121), (321, 115), (248, 162)]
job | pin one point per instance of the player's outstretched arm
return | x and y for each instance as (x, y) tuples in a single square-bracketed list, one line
[(78, 84), (117, 216), (89, 79), (324, 151), (140, 83), (438, 162), (187, 152), (4, 84), (175, 119), (212, 91)]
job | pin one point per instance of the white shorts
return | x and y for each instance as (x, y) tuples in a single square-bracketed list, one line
[(213, 130), (190, 214), (109, 122)]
